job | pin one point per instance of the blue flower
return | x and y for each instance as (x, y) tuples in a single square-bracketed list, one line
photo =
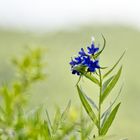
[(75, 72), (72, 63), (78, 60), (86, 61), (93, 65), (82, 52), (92, 49)]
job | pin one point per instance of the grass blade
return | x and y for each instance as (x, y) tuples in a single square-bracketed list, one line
[(65, 112), (109, 108), (92, 78), (105, 115), (56, 121), (97, 54), (109, 121), (86, 74), (106, 83), (48, 119), (87, 107), (92, 102), (106, 74), (47, 130), (111, 85)]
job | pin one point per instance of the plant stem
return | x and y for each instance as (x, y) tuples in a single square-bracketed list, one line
[(100, 93)]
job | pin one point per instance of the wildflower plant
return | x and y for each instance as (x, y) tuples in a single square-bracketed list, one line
[(18, 123), (87, 65)]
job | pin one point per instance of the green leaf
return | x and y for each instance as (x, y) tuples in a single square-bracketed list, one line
[(111, 85), (48, 119), (88, 75), (109, 108), (97, 54), (106, 83), (87, 107), (37, 115), (105, 115), (66, 131), (92, 102), (47, 130), (106, 74), (109, 121), (56, 121), (65, 112), (92, 78)]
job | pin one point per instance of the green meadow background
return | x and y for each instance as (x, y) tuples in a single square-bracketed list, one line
[(59, 86)]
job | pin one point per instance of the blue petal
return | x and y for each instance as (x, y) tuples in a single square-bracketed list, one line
[(93, 66), (82, 52), (75, 72), (72, 63), (86, 61), (78, 60), (96, 49), (96, 63), (92, 49)]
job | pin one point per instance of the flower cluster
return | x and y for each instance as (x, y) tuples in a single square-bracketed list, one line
[(85, 60)]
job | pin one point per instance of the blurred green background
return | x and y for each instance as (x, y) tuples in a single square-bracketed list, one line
[(59, 87)]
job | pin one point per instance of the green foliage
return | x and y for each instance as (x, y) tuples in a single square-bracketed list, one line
[(107, 73), (98, 54), (103, 121), (89, 76), (87, 107), (111, 85), (16, 123), (108, 122)]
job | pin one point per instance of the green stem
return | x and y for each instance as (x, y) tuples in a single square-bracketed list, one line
[(100, 93)]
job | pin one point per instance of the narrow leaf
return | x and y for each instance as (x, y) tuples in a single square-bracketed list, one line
[(92, 102), (106, 74), (65, 112), (109, 121), (66, 131), (48, 119), (87, 75), (47, 130), (106, 83), (79, 79), (105, 115), (97, 54), (56, 121), (109, 108), (92, 78), (87, 106), (111, 85)]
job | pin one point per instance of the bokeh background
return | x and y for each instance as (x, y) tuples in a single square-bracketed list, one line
[(63, 27)]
